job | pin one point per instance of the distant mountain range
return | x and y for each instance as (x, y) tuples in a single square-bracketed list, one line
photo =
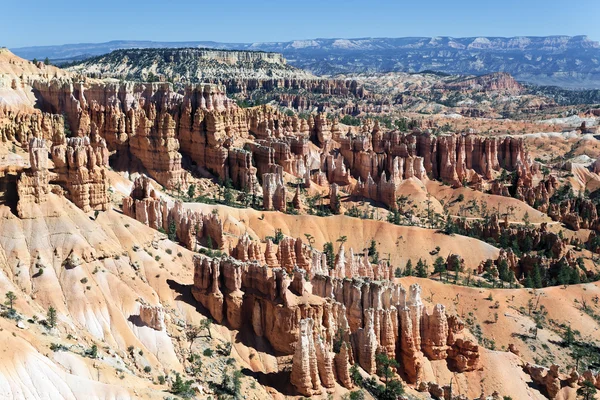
[(567, 61)]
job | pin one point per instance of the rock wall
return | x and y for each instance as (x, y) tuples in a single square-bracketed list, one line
[(79, 172), (274, 191), (191, 228), (153, 127), (33, 184), (372, 317), (80, 166), (22, 126), (453, 159)]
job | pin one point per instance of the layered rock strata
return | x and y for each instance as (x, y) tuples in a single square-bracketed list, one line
[(79, 171), (372, 316), (191, 228)]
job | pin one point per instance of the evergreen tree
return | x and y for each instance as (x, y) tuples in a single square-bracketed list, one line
[(172, 234), (182, 388), (408, 271), (51, 317), (191, 191), (421, 269), (537, 277), (329, 255), (227, 196), (587, 391), (10, 301), (439, 267), (503, 271), (569, 336), (373, 253)]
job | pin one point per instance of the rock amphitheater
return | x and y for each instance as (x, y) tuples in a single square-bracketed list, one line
[(138, 212)]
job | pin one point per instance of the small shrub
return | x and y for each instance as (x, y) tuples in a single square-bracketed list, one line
[(92, 352), (58, 347)]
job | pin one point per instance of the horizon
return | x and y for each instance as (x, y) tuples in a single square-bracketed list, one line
[(304, 39), (274, 22)]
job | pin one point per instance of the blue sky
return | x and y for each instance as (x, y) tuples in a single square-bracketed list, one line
[(35, 22)]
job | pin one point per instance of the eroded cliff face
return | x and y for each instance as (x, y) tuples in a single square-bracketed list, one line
[(309, 318), (191, 228), (153, 128), (454, 159), (78, 172)]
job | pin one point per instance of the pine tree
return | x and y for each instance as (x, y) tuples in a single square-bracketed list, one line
[(182, 388), (569, 336), (408, 271), (373, 253), (329, 255), (587, 391), (503, 271), (191, 191), (439, 266), (172, 234), (537, 277), (10, 301), (51, 317), (421, 269)]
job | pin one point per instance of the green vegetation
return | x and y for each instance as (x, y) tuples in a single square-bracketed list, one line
[(277, 237), (182, 388), (373, 253), (92, 352), (51, 317)]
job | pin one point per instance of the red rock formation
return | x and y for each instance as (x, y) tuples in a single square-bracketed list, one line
[(498, 81), (190, 227), (248, 250), (286, 254), (366, 344), (375, 316), (305, 372), (22, 126), (342, 367), (463, 353), (547, 378), (81, 168), (271, 255), (334, 200), (435, 333), (152, 316), (324, 361), (33, 187), (274, 192), (410, 354)]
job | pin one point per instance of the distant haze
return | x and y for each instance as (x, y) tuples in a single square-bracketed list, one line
[(567, 61)]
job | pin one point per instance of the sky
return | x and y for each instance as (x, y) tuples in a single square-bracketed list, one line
[(43, 22)]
